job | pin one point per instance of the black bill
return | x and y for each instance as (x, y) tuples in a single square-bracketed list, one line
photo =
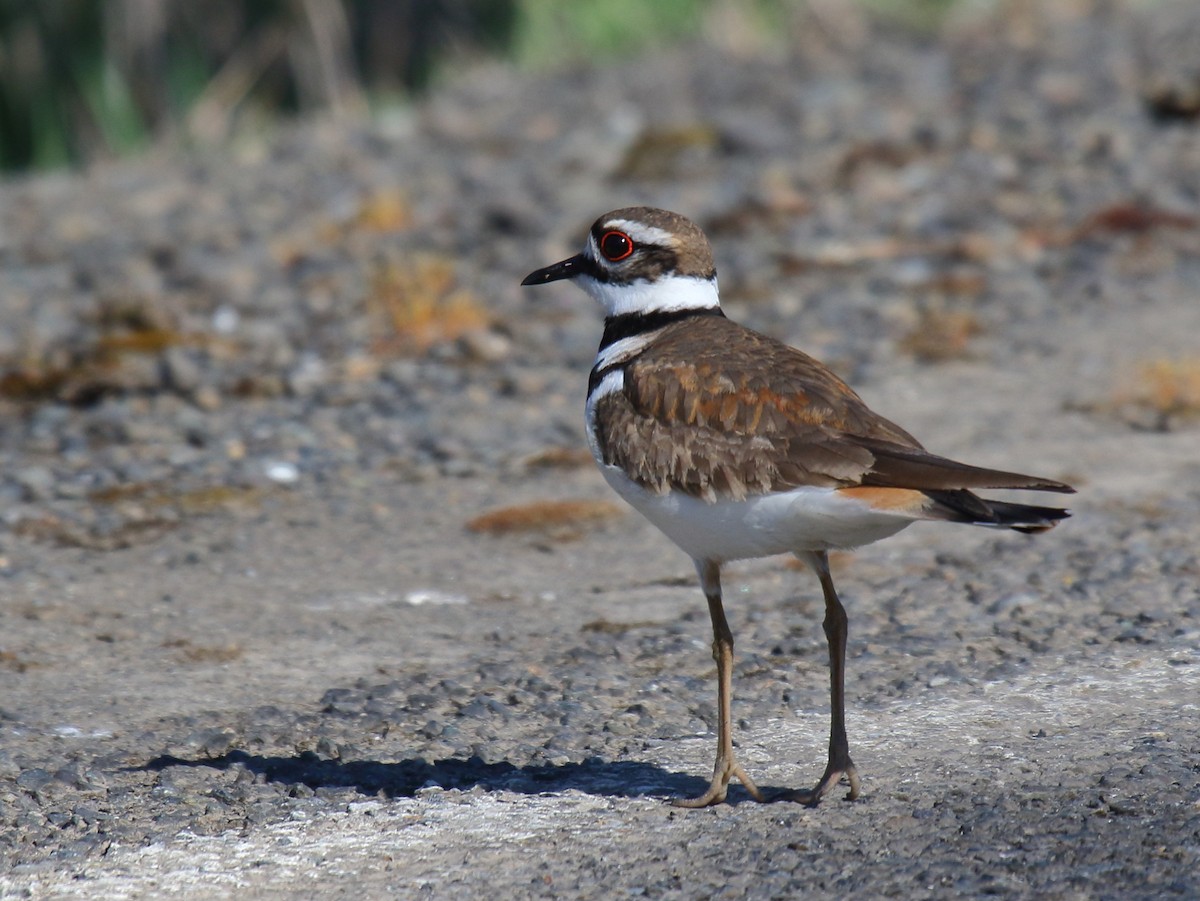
[(558, 271)]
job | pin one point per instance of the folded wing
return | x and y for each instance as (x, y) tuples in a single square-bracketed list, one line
[(686, 421)]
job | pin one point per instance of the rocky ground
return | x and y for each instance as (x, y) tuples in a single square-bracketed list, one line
[(308, 586)]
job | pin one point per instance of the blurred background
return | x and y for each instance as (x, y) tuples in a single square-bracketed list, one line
[(88, 79)]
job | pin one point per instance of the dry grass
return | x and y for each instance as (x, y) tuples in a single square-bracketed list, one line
[(11, 660), (1152, 395), (146, 512), (883, 153), (209, 499), (608, 627), (384, 211), (1132, 218), (954, 282), (419, 303), (658, 152), (941, 335), (1166, 388), (557, 520), (97, 369), (197, 653), (143, 530), (559, 458)]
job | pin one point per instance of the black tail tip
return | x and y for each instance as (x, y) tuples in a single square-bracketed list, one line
[(1043, 520)]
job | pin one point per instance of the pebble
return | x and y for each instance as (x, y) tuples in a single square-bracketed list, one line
[(34, 779), (281, 471), (36, 482)]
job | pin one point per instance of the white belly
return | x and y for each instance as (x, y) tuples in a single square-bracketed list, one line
[(803, 519)]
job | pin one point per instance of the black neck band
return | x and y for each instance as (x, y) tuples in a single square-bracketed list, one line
[(629, 324)]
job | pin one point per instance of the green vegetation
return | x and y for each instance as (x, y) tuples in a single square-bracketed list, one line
[(552, 32), (920, 15), (82, 79)]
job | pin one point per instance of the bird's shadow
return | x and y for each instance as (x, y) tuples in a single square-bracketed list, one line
[(404, 778)]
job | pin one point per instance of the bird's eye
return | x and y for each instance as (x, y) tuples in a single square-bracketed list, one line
[(616, 246)]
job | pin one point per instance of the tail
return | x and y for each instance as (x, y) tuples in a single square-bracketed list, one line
[(965, 506), (1026, 517), (947, 482)]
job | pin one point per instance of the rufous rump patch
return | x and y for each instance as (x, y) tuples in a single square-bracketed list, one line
[(893, 500)]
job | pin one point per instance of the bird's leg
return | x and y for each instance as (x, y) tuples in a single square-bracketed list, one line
[(726, 766), (839, 765)]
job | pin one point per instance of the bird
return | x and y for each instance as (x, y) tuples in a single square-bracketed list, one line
[(736, 445)]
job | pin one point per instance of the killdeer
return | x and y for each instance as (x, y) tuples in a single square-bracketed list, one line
[(736, 445)]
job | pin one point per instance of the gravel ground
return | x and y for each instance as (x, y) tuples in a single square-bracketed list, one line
[(308, 587)]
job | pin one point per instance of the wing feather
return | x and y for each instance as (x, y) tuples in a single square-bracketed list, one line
[(688, 421)]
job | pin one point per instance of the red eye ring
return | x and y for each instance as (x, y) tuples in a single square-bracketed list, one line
[(615, 246)]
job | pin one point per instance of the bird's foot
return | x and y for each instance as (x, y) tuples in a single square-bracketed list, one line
[(725, 770), (834, 773)]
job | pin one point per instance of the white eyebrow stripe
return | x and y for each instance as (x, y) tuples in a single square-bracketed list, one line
[(642, 233)]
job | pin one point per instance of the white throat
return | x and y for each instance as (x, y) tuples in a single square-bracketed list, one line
[(665, 295)]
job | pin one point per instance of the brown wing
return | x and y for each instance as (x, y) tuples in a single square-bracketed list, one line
[(689, 421)]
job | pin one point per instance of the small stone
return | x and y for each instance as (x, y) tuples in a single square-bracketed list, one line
[(183, 372), (310, 375), (485, 346), (34, 779), (225, 320), (211, 742), (36, 482), (282, 472)]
